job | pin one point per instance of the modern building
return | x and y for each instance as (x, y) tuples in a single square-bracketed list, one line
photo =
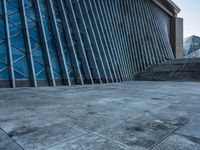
[(65, 42), (192, 47)]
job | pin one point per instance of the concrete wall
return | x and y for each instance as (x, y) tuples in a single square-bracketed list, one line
[(177, 37)]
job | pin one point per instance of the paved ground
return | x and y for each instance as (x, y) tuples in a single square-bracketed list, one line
[(132, 115)]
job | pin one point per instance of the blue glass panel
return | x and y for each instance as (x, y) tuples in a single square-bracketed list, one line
[(18, 75), (34, 44), (18, 41), (42, 75), (33, 32), (63, 39), (51, 45), (55, 64), (27, 3), (4, 75), (50, 41), (56, 76), (3, 54), (37, 55), (30, 13), (15, 18), (2, 65), (10, 8), (30, 22), (1, 8), (21, 66), (47, 26), (38, 67), (35, 40), (14, 2), (43, 9), (48, 35), (71, 75), (13, 29), (2, 29)]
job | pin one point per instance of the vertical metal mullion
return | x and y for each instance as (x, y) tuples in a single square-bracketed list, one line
[(124, 39), (160, 58), (67, 33), (8, 45), (148, 30), (59, 47), (116, 42), (31, 68), (90, 47), (135, 38), (132, 37), (144, 66), (96, 39), (132, 52), (141, 23), (81, 42), (110, 38), (50, 73), (111, 46), (152, 32), (140, 51), (165, 53), (119, 36), (164, 40), (160, 50), (118, 39)]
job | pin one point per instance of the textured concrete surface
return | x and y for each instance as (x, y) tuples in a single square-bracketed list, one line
[(173, 70), (123, 116)]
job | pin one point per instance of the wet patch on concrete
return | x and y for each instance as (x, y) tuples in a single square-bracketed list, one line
[(22, 131), (143, 131), (156, 98)]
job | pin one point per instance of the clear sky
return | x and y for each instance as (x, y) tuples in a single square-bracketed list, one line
[(190, 12)]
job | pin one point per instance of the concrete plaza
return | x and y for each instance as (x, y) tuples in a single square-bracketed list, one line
[(122, 116)]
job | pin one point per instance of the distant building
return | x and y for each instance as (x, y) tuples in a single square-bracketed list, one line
[(192, 47), (64, 42)]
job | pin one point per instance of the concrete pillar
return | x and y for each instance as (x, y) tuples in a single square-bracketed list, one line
[(177, 37)]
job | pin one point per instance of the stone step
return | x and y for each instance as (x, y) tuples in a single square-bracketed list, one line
[(172, 70)]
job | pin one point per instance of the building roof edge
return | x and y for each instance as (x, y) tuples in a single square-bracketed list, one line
[(169, 6)]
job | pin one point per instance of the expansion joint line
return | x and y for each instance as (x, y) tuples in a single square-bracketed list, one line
[(167, 136), (12, 139)]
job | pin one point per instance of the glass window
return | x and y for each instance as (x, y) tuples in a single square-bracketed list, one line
[(18, 41), (3, 54), (4, 74), (21, 66), (2, 29)]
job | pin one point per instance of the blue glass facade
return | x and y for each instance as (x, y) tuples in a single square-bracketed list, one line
[(64, 42)]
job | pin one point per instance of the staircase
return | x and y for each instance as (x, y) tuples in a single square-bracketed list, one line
[(173, 70)]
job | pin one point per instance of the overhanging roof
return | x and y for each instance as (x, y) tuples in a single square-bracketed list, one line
[(169, 6)]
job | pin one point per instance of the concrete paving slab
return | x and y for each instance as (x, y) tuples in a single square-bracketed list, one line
[(12, 113), (89, 142), (6, 143), (192, 128), (139, 133), (133, 115), (36, 121), (179, 142), (44, 137)]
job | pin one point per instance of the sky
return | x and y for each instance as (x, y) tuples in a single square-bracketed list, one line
[(190, 12)]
